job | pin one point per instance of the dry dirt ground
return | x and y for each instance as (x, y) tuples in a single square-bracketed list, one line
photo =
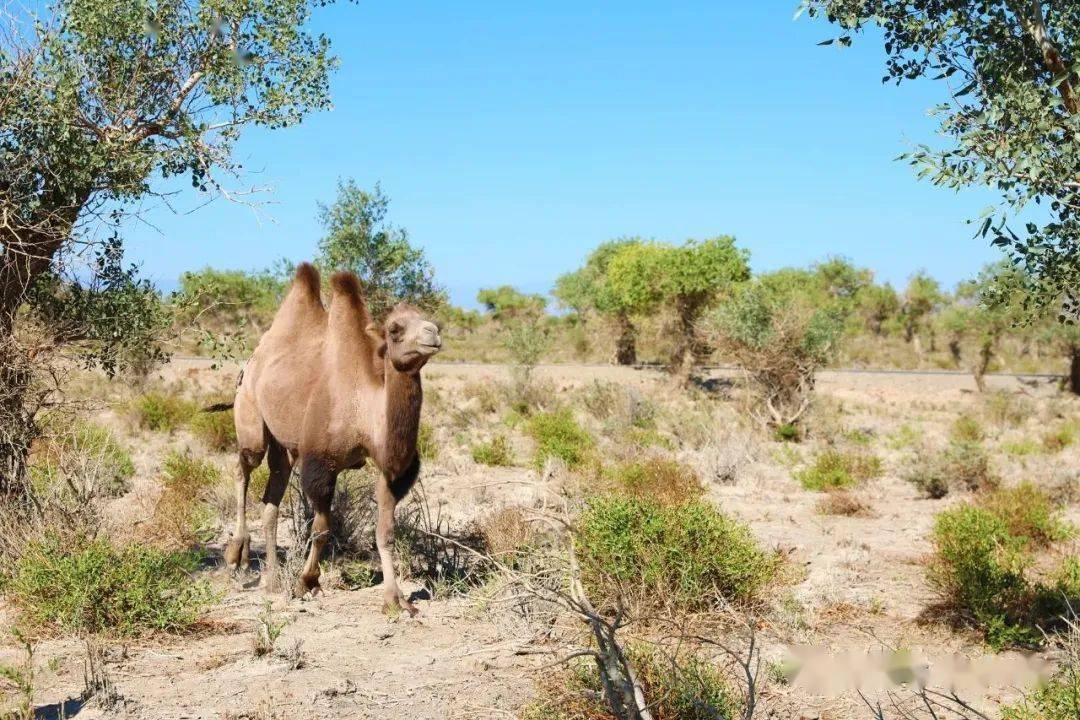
[(856, 582)]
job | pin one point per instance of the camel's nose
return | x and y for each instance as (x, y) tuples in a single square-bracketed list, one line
[(431, 336)]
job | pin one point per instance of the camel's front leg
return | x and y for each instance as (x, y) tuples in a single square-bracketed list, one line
[(318, 482), (384, 539)]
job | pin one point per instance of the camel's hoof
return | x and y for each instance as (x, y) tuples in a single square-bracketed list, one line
[(395, 606), (306, 585), (236, 553)]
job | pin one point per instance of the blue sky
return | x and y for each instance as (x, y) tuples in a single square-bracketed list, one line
[(514, 137)]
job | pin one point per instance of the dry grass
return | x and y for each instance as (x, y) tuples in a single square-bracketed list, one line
[(843, 503)]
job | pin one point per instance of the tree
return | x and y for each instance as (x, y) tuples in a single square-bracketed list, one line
[(690, 278), (878, 307), (99, 99), (780, 337), (1011, 116), (921, 297), (506, 303), (588, 290), (987, 308), (358, 238), (1065, 338)]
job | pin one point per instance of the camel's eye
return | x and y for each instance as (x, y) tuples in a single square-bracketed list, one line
[(395, 330)]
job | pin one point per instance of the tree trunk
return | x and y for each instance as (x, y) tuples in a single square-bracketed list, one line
[(954, 351), (626, 344), (686, 333), (1074, 371), (28, 252), (986, 353)]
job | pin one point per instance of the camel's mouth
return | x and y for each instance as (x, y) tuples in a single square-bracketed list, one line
[(429, 348)]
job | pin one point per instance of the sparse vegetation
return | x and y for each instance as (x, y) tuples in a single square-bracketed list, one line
[(86, 585), (495, 452), (216, 430), (843, 503), (963, 466), (267, 631), (182, 517), (680, 557), (86, 460), (558, 435), (661, 479), (160, 412), (835, 469), (681, 687)]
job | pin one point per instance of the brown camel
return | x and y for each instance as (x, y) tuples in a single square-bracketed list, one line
[(330, 389)]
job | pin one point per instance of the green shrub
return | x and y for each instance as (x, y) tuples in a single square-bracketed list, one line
[(217, 430), (686, 687), (683, 557), (1021, 448), (1027, 513), (979, 569), (984, 567), (558, 435), (90, 586), (88, 456), (787, 432), (163, 413), (834, 469), (1057, 440), (667, 481), (966, 429), (495, 452), (182, 516)]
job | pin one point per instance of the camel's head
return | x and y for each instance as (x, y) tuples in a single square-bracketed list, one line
[(411, 339)]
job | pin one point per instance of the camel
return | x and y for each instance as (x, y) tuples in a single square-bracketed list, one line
[(329, 389)]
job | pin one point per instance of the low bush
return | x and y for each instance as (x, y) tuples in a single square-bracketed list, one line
[(90, 586), (963, 466), (984, 568), (1003, 408), (966, 429), (667, 481), (1021, 448), (1059, 439), (182, 517), (216, 430), (161, 413), (86, 460), (834, 469), (495, 452), (842, 503), (506, 532), (558, 434), (1027, 513), (684, 687), (682, 557)]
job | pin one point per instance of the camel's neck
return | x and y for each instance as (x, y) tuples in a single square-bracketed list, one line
[(404, 396)]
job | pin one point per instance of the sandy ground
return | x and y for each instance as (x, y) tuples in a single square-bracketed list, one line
[(857, 581)]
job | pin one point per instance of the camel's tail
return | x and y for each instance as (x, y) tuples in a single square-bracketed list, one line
[(218, 407)]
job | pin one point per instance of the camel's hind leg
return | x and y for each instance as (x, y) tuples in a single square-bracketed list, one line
[(317, 480), (280, 467), (251, 438), (236, 552)]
